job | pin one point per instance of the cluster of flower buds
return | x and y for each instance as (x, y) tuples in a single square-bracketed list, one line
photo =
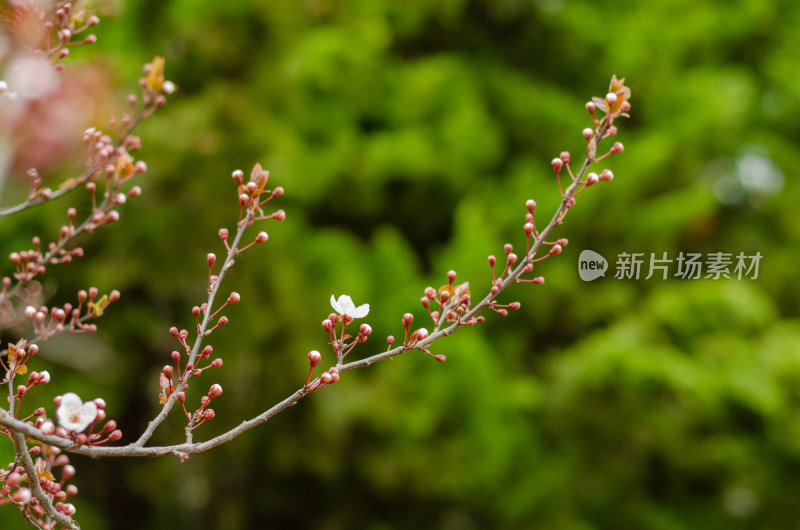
[(253, 194), (453, 301), (47, 464), (154, 86), (28, 263), (170, 377), (18, 356), (68, 25), (48, 322), (420, 334), (203, 413), (326, 378), (113, 157)]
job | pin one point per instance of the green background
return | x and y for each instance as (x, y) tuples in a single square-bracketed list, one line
[(408, 135)]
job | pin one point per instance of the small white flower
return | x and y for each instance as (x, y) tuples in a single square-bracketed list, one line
[(345, 306), (75, 415)]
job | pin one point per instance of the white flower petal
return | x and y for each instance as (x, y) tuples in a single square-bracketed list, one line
[(335, 304), (359, 312)]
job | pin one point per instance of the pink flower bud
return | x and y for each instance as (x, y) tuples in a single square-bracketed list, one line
[(334, 375), (109, 426), (451, 276), (611, 98), (209, 414), (280, 215), (216, 363), (508, 248), (215, 390), (238, 176), (67, 472), (588, 133), (430, 293), (262, 237), (22, 496), (528, 229), (555, 249), (365, 330), (314, 358), (441, 358), (591, 179), (13, 479), (539, 280), (557, 163), (492, 261), (167, 370), (564, 156), (606, 175), (222, 320), (223, 234), (277, 192), (325, 378), (590, 107), (234, 298), (113, 437), (530, 204), (408, 318)]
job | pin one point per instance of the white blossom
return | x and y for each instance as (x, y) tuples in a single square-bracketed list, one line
[(345, 306), (75, 415)]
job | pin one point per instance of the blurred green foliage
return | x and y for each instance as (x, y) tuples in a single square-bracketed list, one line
[(408, 135)]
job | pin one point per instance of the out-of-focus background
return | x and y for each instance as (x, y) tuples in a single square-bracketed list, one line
[(408, 135)]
